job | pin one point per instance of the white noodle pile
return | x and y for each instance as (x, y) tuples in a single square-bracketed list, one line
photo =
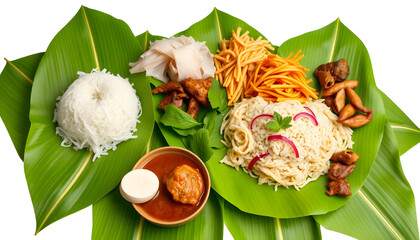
[(315, 144), (97, 111)]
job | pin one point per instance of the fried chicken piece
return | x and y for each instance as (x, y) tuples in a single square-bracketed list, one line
[(339, 70), (171, 98), (346, 157), (198, 89), (339, 187), (193, 107), (169, 87), (340, 171)]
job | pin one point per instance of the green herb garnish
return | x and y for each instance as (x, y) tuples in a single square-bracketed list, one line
[(279, 122)]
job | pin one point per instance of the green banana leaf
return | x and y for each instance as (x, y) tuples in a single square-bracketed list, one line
[(15, 94), (406, 132), (61, 180), (11, 82), (217, 26), (115, 218), (384, 208), (330, 43), (243, 225), (15, 100)]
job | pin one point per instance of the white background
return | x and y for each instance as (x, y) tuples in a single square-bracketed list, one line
[(389, 29)]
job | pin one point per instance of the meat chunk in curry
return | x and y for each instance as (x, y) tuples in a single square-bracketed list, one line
[(185, 184)]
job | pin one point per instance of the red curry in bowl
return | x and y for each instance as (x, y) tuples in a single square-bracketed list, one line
[(184, 186)]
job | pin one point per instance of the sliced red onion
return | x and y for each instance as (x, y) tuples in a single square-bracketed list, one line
[(280, 137), (256, 159), (313, 114), (304, 114), (262, 115)]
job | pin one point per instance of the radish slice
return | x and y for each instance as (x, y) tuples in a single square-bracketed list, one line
[(280, 137), (256, 159), (262, 115), (304, 114), (313, 114)]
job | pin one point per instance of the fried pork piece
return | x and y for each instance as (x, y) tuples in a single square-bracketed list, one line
[(340, 171), (168, 87), (339, 187), (182, 95), (198, 89), (339, 70), (193, 107), (346, 157), (171, 98)]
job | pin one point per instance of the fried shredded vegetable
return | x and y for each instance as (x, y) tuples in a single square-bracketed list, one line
[(236, 60), (246, 68), (278, 79)]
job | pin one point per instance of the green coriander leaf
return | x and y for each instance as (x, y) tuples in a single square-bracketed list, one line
[(277, 118), (279, 122), (273, 125), (285, 124)]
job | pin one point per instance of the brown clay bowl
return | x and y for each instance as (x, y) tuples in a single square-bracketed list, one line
[(203, 170)]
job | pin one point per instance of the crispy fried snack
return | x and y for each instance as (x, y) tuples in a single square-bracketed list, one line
[(338, 86), (358, 120), (356, 101), (347, 112), (340, 101)]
